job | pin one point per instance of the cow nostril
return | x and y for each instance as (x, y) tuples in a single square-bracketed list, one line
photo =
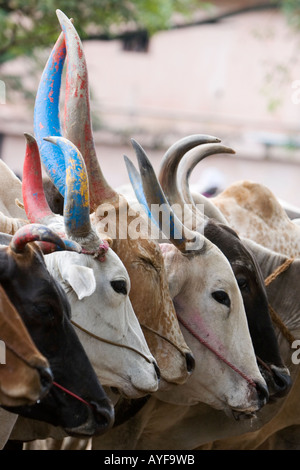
[(190, 362), (46, 378), (104, 416), (262, 392), (282, 380), (157, 370)]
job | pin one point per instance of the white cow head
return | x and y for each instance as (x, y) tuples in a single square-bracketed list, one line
[(210, 308), (95, 279)]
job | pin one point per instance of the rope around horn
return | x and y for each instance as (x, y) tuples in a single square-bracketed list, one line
[(274, 316)]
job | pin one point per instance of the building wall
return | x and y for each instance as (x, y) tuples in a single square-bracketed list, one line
[(232, 80)]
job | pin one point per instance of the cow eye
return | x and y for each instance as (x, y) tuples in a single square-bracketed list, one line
[(242, 283), (46, 310), (119, 286), (221, 297)]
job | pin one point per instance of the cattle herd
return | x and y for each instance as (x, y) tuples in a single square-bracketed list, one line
[(147, 317)]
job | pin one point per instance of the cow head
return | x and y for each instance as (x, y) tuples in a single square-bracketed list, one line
[(95, 280), (176, 168), (25, 376), (82, 408), (210, 308), (142, 258)]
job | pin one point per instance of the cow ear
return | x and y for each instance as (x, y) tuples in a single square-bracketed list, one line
[(81, 279)]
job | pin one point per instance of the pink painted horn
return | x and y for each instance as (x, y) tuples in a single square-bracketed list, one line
[(77, 118)]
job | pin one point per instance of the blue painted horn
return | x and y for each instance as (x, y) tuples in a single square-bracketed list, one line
[(35, 203), (76, 202), (77, 120), (46, 114)]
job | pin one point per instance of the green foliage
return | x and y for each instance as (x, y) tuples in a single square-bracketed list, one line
[(292, 10), (24, 26)]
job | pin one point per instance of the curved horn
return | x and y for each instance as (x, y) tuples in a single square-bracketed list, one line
[(76, 203), (184, 239), (35, 203), (77, 118), (137, 185), (31, 233), (70, 245), (46, 114), (171, 160), (185, 168)]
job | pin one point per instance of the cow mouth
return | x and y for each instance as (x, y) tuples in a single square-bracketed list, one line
[(100, 419), (242, 415), (278, 380), (133, 394)]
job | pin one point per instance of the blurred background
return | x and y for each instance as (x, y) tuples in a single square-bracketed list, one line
[(159, 71)]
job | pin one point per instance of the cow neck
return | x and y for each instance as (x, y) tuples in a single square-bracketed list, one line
[(216, 353)]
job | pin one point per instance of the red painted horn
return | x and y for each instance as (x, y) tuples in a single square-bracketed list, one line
[(35, 203), (31, 233)]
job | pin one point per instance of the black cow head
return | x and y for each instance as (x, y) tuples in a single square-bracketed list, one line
[(76, 401)]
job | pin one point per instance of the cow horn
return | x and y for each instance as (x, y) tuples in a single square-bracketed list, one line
[(185, 168), (34, 232), (184, 239), (70, 245), (46, 114), (35, 203), (76, 202), (171, 160), (137, 185), (77, 118)]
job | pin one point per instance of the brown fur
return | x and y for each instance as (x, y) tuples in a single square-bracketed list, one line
[(19, 378), (150, 297)]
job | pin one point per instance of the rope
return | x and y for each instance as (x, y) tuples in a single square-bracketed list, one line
[(163, 337), (274, 316), (53, 383), (104, 340), (100, 252), (72, 394), (283, 267), (18, 355), (219, 356), (279, 323)]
